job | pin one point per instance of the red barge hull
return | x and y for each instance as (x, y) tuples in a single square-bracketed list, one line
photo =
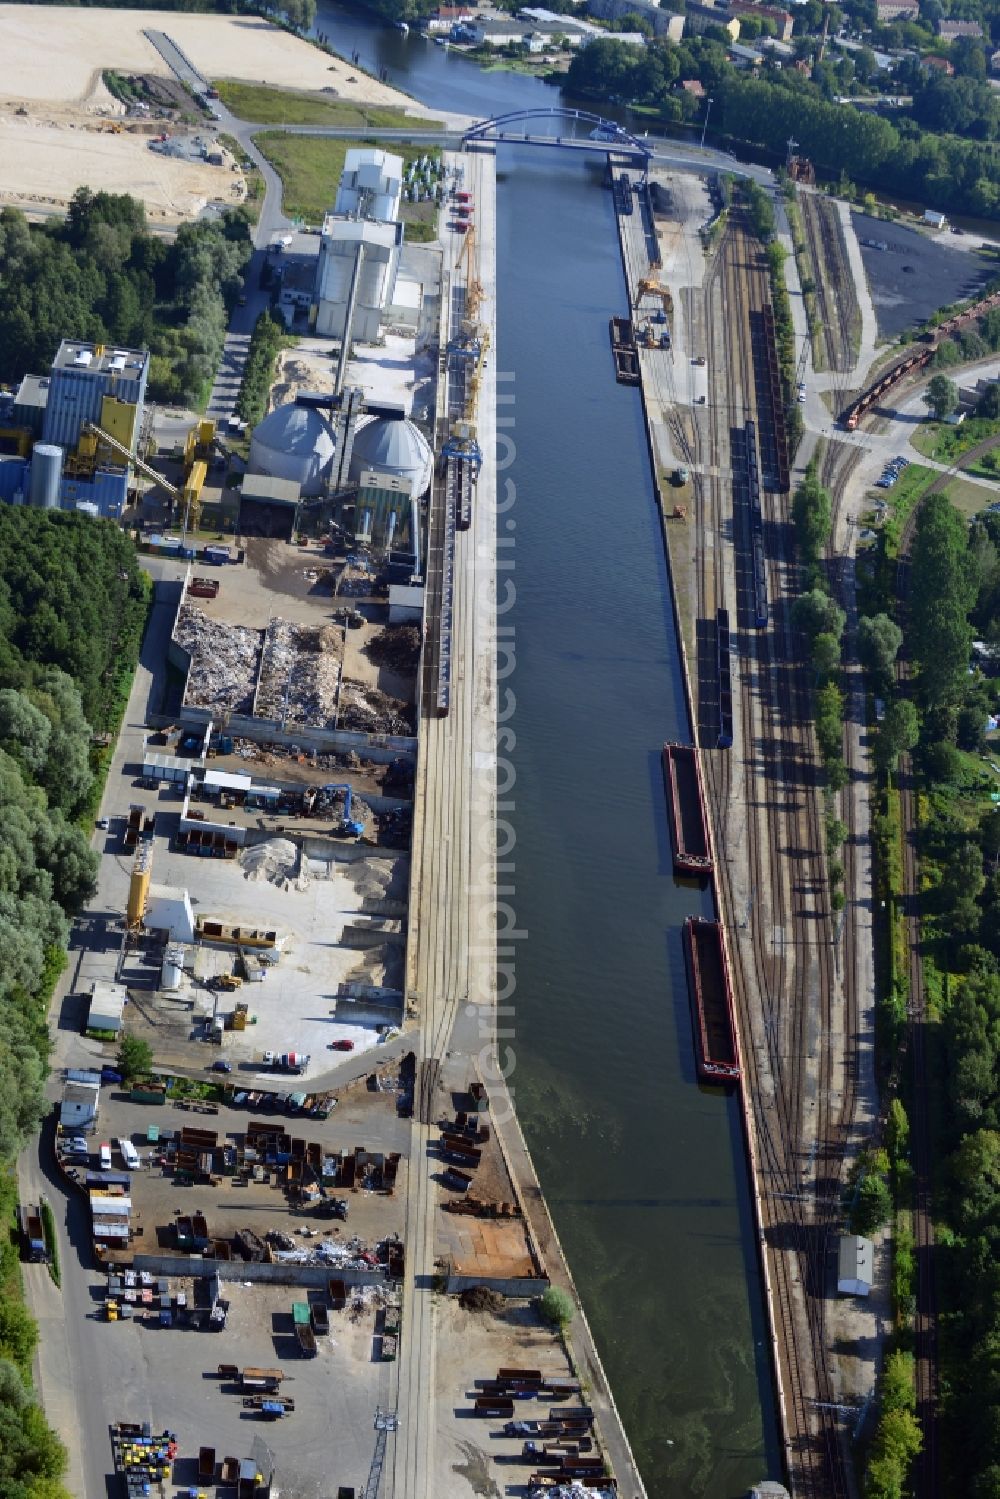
[(711, 1002), (686, 805)]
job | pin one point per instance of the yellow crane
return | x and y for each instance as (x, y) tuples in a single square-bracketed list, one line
[(473, 286), (654, 289)]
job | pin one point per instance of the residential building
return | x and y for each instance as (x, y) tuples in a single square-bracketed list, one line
[(890, 11), (663, 22), (693, 87), (939, 65), (995, 62), (950, 31), (699, 17), (446, 17), (781, 19), (745, 57)]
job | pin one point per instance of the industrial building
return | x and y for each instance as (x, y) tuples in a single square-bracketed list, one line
[(80, 1102), (365, 251), (371, 185), (107, 1006), (68, 439), (855, 1265)]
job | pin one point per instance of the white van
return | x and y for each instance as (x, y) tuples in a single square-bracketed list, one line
[(129, 1155), (105, 1157)]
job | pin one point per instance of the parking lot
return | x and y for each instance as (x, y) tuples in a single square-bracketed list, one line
[(168, 1376)]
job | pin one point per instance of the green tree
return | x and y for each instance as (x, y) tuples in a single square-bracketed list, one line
[(135, 1058), (815, 613), (898, 733), (811, 514), (826, 654), (941, 396), (556, 1307), (873, 1205), (879, 640), (942, 592), (897, 1132)]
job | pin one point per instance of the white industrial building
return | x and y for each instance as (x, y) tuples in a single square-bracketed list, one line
[(107, 1006), (169, 910), (371, 185), (343, 240), (855, 1265), (80, 1102)]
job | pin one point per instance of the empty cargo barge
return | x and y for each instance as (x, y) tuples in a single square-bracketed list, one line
[(686, 803), (624, 350), (711, 1002)]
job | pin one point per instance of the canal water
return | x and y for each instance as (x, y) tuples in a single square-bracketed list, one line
[(643, 1170)]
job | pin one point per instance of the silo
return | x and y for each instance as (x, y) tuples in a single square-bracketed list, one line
[(46, 476)]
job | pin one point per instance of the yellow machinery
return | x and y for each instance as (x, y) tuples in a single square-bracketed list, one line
[(198, 443), (191, 494), (19, 438), (473, 286), (652, 288), (472, 393), (138, 888)]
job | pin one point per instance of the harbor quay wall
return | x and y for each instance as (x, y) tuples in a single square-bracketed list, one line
[(750, 1153)]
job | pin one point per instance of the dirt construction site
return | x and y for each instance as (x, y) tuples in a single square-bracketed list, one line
[(60, 127)]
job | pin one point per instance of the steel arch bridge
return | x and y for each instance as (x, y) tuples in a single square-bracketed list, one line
[(604, 135)]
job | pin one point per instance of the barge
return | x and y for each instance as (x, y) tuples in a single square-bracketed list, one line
[(711, 1002), (686, 803), (623, 347)]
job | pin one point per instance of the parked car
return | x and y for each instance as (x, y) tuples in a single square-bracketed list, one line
[(111, 1075), (77, 1146), (221, 1065), (341, 1045)]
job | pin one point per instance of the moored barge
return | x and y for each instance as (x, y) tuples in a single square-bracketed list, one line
[(686, 803), (712, 1002)]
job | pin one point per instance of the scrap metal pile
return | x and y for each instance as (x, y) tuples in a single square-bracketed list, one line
[(346, 1254), (300, 674), (224, 661), (370, 711), (395, 646)]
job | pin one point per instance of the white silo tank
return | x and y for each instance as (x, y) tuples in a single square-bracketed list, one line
[(46, 476)]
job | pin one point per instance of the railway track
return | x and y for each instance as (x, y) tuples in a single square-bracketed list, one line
[(785, 973), (836, 298)]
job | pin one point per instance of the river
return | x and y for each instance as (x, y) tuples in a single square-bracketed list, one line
[(644, 1171)]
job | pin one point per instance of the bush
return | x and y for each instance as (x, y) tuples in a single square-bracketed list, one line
[(556, 1307), (135, 1058)]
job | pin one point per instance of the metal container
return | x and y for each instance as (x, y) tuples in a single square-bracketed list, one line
[(46, 476)]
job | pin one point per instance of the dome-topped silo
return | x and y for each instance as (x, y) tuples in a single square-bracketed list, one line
[(293, 442), (395, 447)]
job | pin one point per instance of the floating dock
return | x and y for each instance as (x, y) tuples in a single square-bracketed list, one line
[(686, 803), (711, 1002), (625, 353)]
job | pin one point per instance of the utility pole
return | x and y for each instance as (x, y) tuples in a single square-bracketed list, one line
[(704, 123)]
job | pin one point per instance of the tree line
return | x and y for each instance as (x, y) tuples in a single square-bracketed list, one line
[(72, 608), (100, 275), (919, 158)]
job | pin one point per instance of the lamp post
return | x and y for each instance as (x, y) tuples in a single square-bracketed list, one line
[(704, 123)]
